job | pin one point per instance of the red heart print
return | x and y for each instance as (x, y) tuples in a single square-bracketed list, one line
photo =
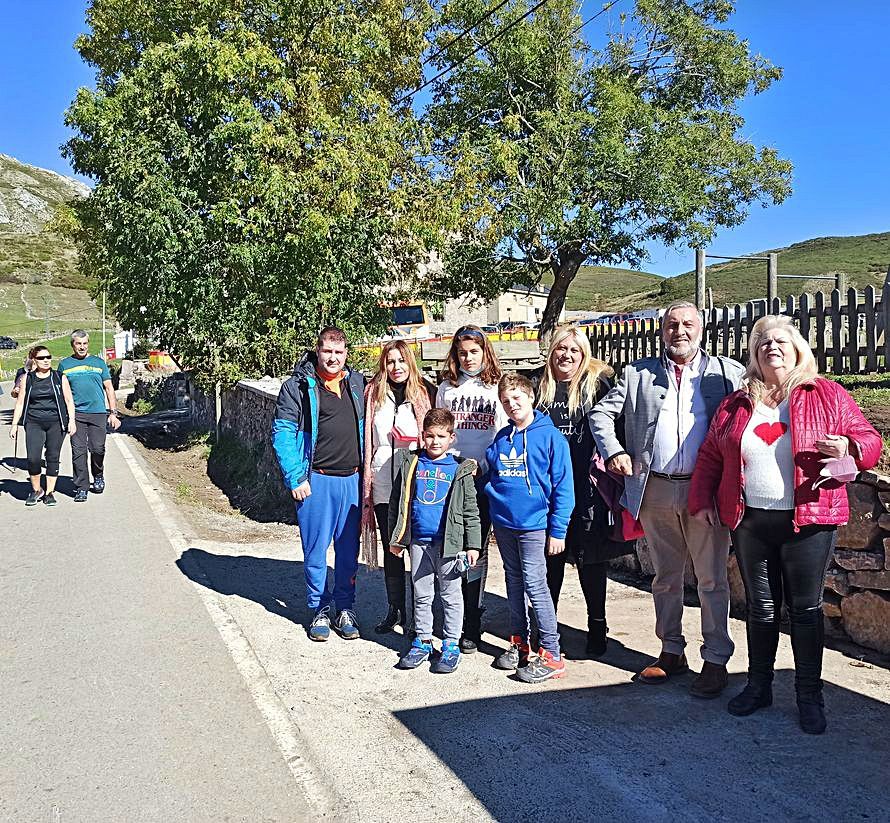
[(770, 432)]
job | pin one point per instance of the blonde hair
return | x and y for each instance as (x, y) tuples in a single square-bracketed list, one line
[(583, 386), (491, 368), (414, 388), (804, 370)]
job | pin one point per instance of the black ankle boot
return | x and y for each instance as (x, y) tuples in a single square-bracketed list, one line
[(753, 697), (812, 712), (394, 617), (596, 638)]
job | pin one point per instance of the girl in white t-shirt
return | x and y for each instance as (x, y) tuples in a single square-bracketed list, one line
[(469, 390)]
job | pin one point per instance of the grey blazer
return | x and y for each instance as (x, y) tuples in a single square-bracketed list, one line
[(638, 395)]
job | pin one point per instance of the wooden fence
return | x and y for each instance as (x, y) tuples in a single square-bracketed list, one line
[(846, 331)]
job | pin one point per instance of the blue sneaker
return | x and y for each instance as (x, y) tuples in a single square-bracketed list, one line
[(80, 496), (320, 628), (418, 654), (449, 658), (98, 485), (346, 625)]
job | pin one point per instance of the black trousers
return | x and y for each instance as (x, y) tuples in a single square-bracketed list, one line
[(780, 565), (89, 437), (593, 584), (393, 565), (40, 434)]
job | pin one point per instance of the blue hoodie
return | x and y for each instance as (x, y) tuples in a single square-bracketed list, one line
[(530, 484)]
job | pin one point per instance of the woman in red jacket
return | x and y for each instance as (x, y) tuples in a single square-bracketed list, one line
[(758, 472)]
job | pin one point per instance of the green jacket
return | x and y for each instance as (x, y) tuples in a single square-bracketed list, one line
[(462, 528)]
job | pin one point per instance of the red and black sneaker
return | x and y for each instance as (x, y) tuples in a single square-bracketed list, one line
[(515, 656), (542, 668)]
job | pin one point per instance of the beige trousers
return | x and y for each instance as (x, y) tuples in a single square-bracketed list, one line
[(672, 534)]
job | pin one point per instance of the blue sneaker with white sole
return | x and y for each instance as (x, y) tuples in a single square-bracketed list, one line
[(449, 658), (346, 625), (417, 655), (320, 627)]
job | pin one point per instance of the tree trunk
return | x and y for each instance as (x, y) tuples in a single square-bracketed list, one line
[(563, 276)]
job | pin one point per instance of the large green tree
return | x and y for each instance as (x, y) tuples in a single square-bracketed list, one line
[(252, 179), (557, 153)]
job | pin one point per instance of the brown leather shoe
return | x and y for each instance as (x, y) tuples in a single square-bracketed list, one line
[(711, 682), (661, 670)]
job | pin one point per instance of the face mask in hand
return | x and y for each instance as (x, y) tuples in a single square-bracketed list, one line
[(840, 469)]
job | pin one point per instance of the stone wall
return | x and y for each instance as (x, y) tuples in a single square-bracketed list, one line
[(857, 586)]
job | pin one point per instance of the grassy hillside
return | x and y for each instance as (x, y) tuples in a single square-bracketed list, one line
[(864, 259), (600, 288)]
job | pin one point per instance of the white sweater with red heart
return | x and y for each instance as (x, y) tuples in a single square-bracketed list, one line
[(767, 462)]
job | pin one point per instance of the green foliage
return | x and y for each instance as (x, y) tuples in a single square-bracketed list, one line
[(557, 154), (144, 405), (253, 182)]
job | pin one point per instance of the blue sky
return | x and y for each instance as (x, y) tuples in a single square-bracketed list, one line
[(830, 114)]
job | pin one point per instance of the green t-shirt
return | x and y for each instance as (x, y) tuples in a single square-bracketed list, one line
[(86, 376)]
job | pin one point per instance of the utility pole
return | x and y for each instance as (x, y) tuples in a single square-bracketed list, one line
[(699, 279)]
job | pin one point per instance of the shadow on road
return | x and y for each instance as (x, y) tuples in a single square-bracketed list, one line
[(279, 587), (631, 752)]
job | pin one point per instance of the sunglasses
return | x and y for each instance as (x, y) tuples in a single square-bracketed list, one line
[(44, 357), (467, 332)]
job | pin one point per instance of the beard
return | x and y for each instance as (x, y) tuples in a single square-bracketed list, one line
[(685, 349)]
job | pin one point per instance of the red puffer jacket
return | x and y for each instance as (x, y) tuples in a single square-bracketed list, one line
[(816, 409)]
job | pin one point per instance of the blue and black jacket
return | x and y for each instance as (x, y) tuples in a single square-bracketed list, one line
[(295, 428)]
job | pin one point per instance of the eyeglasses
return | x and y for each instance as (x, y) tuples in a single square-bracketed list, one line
[(44, 357)]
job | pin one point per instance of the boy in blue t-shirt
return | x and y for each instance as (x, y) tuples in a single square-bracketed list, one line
[(434, 514)]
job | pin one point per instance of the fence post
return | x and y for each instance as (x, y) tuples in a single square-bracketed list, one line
[(699, 279), (885, 318), (841, 278), (772, 281)]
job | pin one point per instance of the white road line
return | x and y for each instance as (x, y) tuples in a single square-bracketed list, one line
[(285, 731)]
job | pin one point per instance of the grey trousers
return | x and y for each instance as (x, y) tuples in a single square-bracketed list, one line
[(427, 566), (673, 534)]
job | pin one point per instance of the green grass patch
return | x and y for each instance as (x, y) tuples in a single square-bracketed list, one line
[(604, 288), (864, 259)]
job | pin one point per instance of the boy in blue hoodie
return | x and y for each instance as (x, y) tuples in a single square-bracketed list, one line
[(531, 496)]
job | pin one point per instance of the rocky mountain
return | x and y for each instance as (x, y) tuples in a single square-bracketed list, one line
[(29, 253)]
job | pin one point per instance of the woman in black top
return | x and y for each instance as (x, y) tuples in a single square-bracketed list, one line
[(569, 386), (46, 409)]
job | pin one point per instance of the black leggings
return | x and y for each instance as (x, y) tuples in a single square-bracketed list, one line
[(778, 564), (593, 584), (393, 565), (40, 434)]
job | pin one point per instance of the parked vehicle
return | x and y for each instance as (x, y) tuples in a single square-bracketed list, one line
[(8, 343)]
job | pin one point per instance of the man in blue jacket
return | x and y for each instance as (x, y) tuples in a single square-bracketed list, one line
[(317, 435)]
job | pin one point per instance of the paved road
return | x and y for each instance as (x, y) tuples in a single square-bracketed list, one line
[(119, 699), (122, 703)]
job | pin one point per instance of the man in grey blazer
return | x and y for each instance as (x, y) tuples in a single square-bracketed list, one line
[(667, 404)]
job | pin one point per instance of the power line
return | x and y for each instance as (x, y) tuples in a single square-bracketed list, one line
[(478, 48), (603, 10), (465, 32)]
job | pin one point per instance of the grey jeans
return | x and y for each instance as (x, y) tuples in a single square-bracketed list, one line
[(427, 566)]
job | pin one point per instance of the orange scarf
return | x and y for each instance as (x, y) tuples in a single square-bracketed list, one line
[(331, 381)]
